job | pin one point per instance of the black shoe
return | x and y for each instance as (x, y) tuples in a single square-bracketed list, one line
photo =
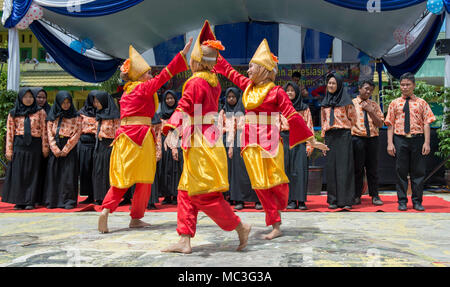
[(167, 200), (87, 201), (125, 202), (357, 201), (302, 205), (19, 207), (376, 201), (152, 206), (258, 206), (402, 207), (29, 207), (98, 202), (418, 207), (347, 207), (292, 205), (239, 206), (69, 206), (332, 206)]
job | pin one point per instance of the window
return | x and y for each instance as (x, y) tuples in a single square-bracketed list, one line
[(25, 54), (41, 54)]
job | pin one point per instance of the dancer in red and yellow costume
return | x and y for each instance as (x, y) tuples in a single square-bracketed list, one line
[(262, 149), (133, 157), (205, 174)]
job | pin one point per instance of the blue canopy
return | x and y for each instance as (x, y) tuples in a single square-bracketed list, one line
[(240, 24)]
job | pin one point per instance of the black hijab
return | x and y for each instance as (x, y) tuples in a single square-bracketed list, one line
[(339, 98), (35, 92), (297, 102), (57, 111), (166, 111), (88, 109), (109, 109), (238, 107), (22, 110)]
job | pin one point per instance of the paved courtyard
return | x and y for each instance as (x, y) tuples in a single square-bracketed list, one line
[(310, 239)]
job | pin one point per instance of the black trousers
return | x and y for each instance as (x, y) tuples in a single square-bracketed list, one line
[(365, 155), (409, 160), (340, 170)]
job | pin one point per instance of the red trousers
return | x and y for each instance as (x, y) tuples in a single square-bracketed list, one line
[(139, 201), (212, 204), (273, 200)]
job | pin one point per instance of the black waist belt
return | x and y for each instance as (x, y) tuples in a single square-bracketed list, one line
[(410, 136)]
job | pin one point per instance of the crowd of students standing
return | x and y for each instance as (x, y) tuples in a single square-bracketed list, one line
[(57, 153)]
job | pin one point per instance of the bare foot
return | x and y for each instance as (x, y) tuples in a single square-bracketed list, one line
[(137, 223), (243, 231), (182, 246), (276, 232), (103, 221)]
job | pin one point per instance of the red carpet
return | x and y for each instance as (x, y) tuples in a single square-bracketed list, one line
[(315, 203)]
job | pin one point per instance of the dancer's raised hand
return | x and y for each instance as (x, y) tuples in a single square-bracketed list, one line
[(187, 47)]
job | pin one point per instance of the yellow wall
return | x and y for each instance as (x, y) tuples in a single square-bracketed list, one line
[(78, 97), (24, 41)]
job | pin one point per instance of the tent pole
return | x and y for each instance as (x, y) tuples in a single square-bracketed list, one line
[(447, 63)]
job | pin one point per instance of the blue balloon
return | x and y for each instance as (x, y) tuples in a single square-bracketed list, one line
[(77, 46), (435, 6), (87, 43)]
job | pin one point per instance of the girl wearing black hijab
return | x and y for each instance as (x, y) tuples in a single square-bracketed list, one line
[(64, 131), (171, 163), (41, 98), (338, 115), (240, 187), (108, 121), (296, 159), (86, 147), (26, 147)]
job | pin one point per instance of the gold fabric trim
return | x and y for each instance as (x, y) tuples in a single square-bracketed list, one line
[(211, 78), (254, 96), (133, 121)]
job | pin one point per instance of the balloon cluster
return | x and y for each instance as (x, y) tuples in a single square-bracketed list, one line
[(82, 45), (35, 12), (435, 6)]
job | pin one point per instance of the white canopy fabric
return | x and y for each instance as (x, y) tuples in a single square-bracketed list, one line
[(152, 22)]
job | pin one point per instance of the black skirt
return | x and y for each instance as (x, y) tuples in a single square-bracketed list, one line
[(61, 182), (23, 180), (340, 172), (240, 185), (100, 169), (86, 159), (169, 172), (296, 168), (154, 195)]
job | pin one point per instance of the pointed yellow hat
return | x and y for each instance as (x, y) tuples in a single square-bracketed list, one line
[(135, 65), (264, 57), (206, 34)]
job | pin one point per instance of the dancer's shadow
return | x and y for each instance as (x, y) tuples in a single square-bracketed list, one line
[(256, 241), (154, 227)]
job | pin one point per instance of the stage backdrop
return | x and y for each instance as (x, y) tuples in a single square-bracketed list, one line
[(312, 76)]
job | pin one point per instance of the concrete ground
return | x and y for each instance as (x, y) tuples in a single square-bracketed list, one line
[(353, 239)]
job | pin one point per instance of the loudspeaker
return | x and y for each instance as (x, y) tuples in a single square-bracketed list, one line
[(4, 55), (442, 47)]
